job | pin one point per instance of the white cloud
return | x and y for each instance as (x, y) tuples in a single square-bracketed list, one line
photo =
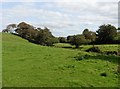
[(102, 12), (60, 1), (27, 10), (68, 16), (97, 19), (18, 0)]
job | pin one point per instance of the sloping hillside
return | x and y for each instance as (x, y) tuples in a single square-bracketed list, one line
[(0, 60), (30, 65)]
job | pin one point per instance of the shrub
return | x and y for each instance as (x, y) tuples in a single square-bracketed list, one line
[(78, 40), (93, 49), (111, 52), (51, 41), (62, 39)]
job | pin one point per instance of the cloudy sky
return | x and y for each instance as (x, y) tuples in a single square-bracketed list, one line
[(63, 17)]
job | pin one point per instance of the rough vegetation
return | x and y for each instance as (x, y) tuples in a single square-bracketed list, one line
[(93, 49)]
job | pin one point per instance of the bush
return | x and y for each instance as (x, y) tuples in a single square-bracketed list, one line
[(93, 49), (51, 41), (62, 39), (111, 52), (78, 40)]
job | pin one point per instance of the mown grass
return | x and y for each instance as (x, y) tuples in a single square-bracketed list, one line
[(30, 65)]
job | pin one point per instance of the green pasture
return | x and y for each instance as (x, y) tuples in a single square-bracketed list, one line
[(25, 64)]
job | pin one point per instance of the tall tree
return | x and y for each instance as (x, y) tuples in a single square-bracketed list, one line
[(70, 39), (89, 35), (78, 40), (106, 33), (62, 39), (45, 37), (25, 30), (10, 28)]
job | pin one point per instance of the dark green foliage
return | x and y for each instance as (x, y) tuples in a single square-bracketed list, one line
[(25, 30), (70, 39), (39, 36), (62, 39), (106, 34), (44, 37), (111, 52), (93, 49), (118, 37), (77, 40), (51, 41), (89, 36)]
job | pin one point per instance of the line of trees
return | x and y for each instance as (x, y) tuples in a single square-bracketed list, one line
[(32, 34), (106, 34)]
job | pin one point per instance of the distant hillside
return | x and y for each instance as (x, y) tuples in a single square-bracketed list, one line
[(29, 65)]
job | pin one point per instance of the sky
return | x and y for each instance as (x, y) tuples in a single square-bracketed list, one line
[(62, 17)]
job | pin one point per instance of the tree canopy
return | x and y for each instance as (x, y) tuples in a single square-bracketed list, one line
[(77, 40), (104, 35)]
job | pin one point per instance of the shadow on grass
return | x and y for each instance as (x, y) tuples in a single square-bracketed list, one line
[(70, 47), (110, 58), (77, 48), (67, 47)]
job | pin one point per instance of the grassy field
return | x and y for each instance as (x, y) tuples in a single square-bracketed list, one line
[(110, 47), (30, 65), (0, 60)]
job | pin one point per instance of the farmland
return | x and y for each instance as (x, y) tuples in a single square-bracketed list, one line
[(25, 64), (0, 60)]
